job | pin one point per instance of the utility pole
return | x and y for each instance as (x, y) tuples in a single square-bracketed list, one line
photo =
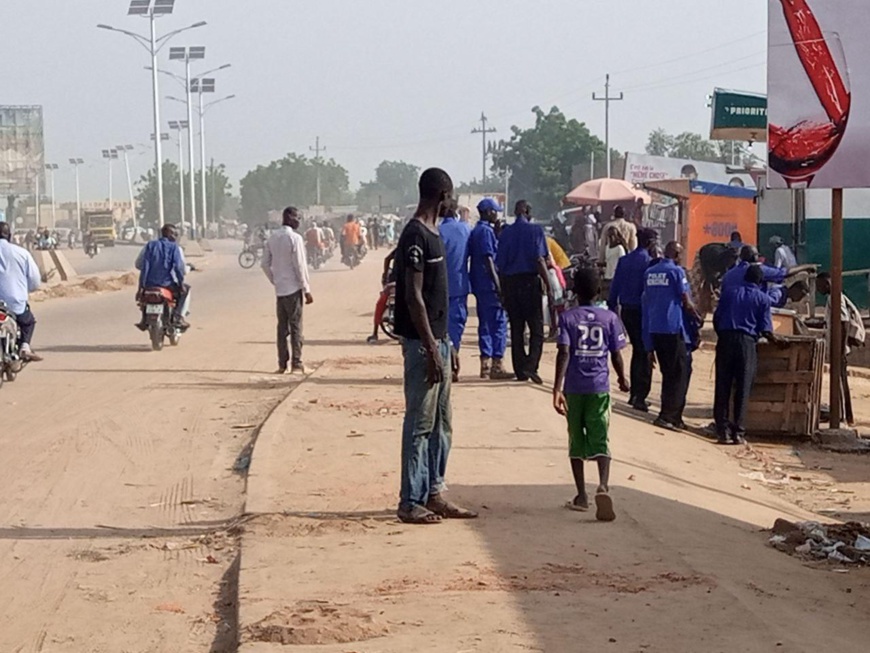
[(317, 150), (484, 131), (76, 163), (607, 99)]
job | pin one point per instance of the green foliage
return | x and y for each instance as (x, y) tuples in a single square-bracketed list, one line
[(291, 181), (541, 159), (217, 186), (393, 188), (688, 145)]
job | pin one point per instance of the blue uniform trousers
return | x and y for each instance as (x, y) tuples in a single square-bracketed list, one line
[(492, 326), (457, 317)]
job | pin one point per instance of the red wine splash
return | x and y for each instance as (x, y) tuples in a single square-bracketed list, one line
[(800, 151)]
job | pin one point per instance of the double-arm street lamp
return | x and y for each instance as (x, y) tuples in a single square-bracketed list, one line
[(153, 9), (111, 155), (51, 167)]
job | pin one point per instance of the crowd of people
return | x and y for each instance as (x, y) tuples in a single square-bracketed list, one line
[(646, 300)]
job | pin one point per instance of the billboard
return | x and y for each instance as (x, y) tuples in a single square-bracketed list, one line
[(818, 94), (22, 152), (642, 168), (739, 116)]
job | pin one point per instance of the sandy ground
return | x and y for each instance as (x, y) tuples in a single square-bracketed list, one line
[(122, 518), (326, 567), (118, 478)]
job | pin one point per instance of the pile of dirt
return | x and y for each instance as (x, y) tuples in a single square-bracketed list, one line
[(316, 623), (96, 284), (847, 543)]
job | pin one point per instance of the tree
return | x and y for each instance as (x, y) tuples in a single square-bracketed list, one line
[(393, 188), (660, 143), (688, 145), (291, 180), (217, 187), (541, 159)]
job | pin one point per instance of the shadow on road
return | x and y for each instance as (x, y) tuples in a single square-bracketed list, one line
[(625, 585), (95, 349)]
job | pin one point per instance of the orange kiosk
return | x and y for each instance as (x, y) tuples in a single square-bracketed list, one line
[(709, 213)]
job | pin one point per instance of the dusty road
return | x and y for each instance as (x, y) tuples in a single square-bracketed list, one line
[(118, 531), (106, 442)]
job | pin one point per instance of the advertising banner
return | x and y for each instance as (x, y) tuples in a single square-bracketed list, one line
[(642, 168), (819, 94), (22, 153), (739, 116)]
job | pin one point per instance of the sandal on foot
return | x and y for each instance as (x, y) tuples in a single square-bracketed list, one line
[(418, 515), (576, 507), (447, 510), (604, 508)]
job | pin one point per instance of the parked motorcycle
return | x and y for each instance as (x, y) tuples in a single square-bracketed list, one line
[(159, 304), (10, 359)]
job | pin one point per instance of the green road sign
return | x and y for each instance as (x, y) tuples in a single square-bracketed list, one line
[(739, 116)]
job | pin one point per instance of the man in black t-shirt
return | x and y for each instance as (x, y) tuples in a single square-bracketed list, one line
[(421, 320)]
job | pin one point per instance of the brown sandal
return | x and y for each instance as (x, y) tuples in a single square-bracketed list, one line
[(418, 515), (447, 510)]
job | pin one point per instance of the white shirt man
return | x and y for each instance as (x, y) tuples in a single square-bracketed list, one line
[(783, 257), (19, 276), (286, 267)]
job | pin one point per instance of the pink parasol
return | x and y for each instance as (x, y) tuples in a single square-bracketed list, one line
[(598, 191)]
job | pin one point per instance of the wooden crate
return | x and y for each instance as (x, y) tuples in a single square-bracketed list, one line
[(787, 394)]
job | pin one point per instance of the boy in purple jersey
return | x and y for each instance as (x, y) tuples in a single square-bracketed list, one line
[(587, 336)]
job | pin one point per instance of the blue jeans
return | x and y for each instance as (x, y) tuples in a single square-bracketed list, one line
[(492, 326), (457, 317), (427, 431)]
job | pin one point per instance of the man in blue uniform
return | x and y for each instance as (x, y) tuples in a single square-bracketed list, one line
[(749, 256), (626, 292), (455, 235), (665, 297), (491, 316), (522, 265), (161, 265), (743, 315)]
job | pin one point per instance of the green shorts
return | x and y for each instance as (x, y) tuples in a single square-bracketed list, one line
[(588, 426)]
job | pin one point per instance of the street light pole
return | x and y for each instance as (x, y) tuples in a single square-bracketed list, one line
[(51, 167), (111, 155), (179, 126), (125, 149), (206, 86), (153, 9), (76, 163)]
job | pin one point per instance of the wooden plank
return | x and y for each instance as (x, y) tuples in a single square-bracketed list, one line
[(801, 377)]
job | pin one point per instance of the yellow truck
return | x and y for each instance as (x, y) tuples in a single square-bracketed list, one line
[(101, 225)]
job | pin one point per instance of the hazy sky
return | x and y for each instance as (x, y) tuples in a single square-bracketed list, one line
[(375, 79)]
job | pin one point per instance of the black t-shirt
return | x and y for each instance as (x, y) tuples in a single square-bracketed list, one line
[(421, 249)]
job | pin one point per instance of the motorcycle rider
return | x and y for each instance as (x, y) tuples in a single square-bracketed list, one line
[(314, 242), (19, 276), (161, 263)]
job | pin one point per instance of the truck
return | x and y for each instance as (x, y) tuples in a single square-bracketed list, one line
[(101, 225)]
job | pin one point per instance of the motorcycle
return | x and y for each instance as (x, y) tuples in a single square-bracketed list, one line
[(159, 304), (92, 249), (10, 359), (388, 321)]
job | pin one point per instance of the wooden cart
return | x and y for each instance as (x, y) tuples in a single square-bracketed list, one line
[(787, 394)]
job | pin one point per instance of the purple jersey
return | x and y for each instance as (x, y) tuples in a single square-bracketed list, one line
[(590, 333)]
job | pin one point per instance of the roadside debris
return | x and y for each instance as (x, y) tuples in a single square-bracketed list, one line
[(847, 543)]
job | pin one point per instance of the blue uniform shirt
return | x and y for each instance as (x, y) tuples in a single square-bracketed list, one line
[(455, 235), (482, 245), (665, 284), (626, 289), (162, 265), (520, 246), (778, 294), (744, 308), (736, 276)]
